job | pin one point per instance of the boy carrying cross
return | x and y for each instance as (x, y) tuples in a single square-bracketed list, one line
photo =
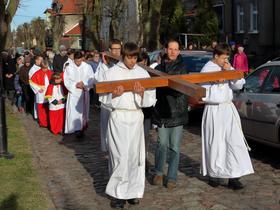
[(224, 152), (125, 130)]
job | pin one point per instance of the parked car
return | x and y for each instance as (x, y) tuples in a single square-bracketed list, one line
[(154, 56), (258, 104), (194, 60), (274, 59)]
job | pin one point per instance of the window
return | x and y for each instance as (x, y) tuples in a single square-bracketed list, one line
[(240, 19), (80, 42), (253, 17), (219, 9), (255, 81), (195, 63), (272, 84)]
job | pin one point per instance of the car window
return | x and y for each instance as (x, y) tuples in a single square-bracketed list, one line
[(153, 56), (256, 80), (272, 83), (195, 63)]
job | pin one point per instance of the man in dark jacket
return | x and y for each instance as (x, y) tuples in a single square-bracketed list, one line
[(170, 114), (28, 94), (9, 69), (60, 59)]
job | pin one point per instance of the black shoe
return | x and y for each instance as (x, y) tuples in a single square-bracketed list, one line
[(133, 201), (118, 204), (79, 134), (214, 182), (235, 184)]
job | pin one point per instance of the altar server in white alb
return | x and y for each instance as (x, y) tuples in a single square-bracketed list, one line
[(224, 148), (37, 66), (78, 79), (100, 75), (125, 130)]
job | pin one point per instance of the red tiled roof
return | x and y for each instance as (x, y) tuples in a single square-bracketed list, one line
[(71, 6), (76, 30)]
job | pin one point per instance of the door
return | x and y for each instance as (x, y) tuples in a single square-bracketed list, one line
[(266, 107), (248, 100)]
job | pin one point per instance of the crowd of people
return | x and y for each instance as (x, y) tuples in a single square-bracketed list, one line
[(56, 90)]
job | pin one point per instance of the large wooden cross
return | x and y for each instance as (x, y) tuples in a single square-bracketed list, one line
[(184, 83)]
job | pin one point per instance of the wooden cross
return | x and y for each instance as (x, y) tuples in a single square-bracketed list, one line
[(184, 83)]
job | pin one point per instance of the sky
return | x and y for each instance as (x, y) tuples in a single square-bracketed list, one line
[(30, 9)]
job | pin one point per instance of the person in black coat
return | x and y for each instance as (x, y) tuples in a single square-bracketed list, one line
[(60, 59), (170, 114), (9, 69), (28, 94)]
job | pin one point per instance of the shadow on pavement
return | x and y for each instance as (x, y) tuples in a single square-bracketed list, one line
[(88, 153), (264, 153)]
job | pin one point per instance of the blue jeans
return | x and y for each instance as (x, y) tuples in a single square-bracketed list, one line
[(169, 139), (19, 101)]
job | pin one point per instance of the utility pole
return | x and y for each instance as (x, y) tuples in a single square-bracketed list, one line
[(3, 126)]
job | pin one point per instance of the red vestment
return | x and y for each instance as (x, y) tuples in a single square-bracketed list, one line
[(39, 83), (56, 96)]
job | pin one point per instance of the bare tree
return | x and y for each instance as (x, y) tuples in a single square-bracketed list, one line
[(58, 22), (92, 21), (38, 30), (143, 11), (152, 25), (8, 9), (115, 11)]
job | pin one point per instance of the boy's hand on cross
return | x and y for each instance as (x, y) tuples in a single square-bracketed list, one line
[(80, 85), (138, 89), (118, 91), (222, 80), (227, 66)]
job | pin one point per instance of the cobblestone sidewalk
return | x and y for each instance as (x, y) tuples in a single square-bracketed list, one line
[(75, 174)]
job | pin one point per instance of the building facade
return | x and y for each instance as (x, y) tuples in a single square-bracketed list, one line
[(255, 25), (251, 23), (72, 12)]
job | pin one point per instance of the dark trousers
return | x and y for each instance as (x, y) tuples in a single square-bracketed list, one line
[(28, 96)]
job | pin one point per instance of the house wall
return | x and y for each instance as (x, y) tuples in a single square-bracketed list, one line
[(71, 21), (48, 21), (76, 43), (261, 45), (276, 26)]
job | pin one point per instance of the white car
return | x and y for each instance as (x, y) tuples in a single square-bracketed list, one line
[(258, 104)]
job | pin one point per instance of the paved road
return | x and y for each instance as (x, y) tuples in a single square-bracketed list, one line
[(75, 174)]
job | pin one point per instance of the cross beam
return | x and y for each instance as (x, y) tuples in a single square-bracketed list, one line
[(184, 83)]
